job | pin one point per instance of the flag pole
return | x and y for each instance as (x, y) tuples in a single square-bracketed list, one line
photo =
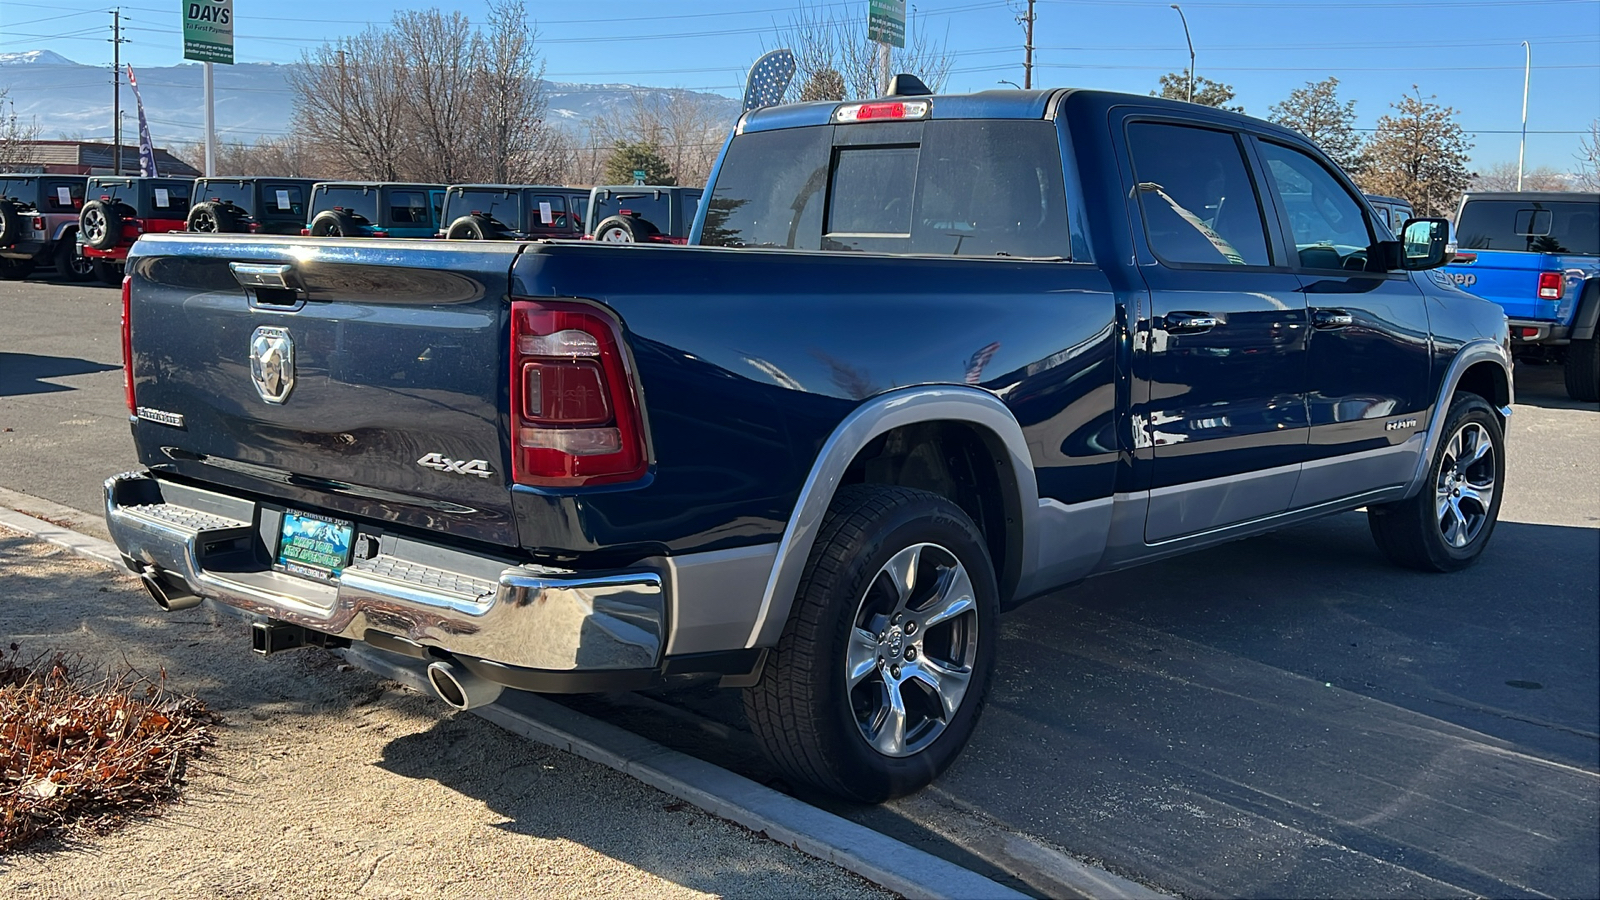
[(211, 123)]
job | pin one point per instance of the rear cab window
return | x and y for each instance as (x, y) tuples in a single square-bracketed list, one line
[(959, 187), (1531, 226), (361, 200)]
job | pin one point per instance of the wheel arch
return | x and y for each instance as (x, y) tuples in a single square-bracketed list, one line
[(1480, 366), (968, 423)]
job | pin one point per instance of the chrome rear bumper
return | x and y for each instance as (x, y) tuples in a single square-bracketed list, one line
[(406, 593)]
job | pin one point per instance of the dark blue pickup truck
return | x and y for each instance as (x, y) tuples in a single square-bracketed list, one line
[(932, 356)]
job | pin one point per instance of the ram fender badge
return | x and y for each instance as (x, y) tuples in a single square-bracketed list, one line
[(1399, 424), (272, 363), (442, 463)]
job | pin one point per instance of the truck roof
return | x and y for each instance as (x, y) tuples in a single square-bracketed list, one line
[(1533, 196), (515, 187), (994, 104)]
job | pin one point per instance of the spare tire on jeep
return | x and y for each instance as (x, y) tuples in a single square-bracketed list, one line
[(10, 222), (338, 223), (100, 223), (624, 230), (215, 217), (475, 228)]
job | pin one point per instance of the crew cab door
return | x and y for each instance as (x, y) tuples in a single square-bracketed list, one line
[(1226, 352), (1368, 390)]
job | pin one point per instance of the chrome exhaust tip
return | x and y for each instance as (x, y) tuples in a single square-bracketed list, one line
[(460, 688), (169, 593)]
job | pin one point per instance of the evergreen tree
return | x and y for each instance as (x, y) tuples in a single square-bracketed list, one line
[(1316, 112), (629, 157), (1175, 86)]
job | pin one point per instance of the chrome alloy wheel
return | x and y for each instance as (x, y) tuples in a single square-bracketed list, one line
[(94, 226), (616, 235), (1464, 491), (912, 650)]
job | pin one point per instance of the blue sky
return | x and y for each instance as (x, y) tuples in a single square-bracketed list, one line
[(1468, 52)]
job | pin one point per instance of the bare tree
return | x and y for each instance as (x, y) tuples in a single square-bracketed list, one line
[(440, 52), (350, 97), (1502, 176), (16, 136), (1317, 112), (517, 144), (1419, 153), (830, 45), (288, 156), (684, 128), (1588, 157)]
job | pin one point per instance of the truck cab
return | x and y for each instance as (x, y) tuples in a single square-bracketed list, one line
[(39, 225), (1537, 255), (374, 209)]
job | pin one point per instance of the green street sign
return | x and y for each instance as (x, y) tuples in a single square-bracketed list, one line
[(886, 22), (208, 30)]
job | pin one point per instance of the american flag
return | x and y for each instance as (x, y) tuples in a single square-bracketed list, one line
[(768, 79)]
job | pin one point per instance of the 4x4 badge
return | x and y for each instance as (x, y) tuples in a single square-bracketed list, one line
[(478, 467), (272, 363)]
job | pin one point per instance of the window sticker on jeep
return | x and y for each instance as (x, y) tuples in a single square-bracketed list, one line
[(162, 198), (64, 196), (546, 213), (283, 200)]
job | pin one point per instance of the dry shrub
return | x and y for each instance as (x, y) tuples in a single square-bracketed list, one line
[(79, 756)]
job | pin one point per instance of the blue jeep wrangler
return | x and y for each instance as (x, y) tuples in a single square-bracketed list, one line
[(1538, 256)]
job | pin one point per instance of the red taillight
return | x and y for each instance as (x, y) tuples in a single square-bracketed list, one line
[(891, 109), (127, 344), (379, 232), (1551, 286), (253, 228), (38, 223), (575, 415), (1530, 333), (305, 232)]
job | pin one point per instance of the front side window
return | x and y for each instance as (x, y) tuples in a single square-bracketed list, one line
[(1329, 229), (1544, 226), (1195, 195)]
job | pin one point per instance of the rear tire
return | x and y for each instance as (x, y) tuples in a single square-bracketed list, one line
[(15, 269), (70, 264), (1448, 523), (1583, 370), (871, 692)]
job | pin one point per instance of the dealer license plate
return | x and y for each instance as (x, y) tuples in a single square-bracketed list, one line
[(314, 546)]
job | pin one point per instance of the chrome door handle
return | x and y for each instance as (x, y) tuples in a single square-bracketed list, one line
[(1331, 318), (1189, 322)]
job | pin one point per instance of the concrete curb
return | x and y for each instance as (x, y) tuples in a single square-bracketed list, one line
[(876, 857)]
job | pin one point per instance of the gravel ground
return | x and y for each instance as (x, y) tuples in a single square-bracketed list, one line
[(330, 782)]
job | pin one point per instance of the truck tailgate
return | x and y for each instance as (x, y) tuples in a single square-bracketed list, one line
[(1509, 278), (397, 355)]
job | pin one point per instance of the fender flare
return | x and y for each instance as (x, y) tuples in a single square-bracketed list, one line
[(881, 414), (1588, 314), (1470, 354)]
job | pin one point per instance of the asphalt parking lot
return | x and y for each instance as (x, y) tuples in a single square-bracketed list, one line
[(1286, 716)]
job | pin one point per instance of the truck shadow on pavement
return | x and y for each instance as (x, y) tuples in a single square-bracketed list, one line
[(25, 373)]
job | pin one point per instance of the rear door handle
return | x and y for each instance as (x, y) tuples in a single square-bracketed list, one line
[(1328, 319), (1190, 322)]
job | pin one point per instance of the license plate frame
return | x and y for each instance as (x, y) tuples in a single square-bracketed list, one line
[(313, 546)]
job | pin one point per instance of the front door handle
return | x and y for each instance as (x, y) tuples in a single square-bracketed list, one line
[(1328, 319), (1190, 322)]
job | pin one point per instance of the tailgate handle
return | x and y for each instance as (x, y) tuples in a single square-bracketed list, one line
[(269, 285)]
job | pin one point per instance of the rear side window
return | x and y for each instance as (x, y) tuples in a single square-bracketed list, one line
[(61, 196), (548, 212), (1554, 226), (287, 201), (408, 208), (1195, 195), (363, 201), (966, 188), (167, 199)]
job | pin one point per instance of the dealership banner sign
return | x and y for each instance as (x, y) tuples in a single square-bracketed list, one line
[(208, 30)]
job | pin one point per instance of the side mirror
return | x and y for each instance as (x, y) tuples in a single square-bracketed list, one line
[(1425, 244)]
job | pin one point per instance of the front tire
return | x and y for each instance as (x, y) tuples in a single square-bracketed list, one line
[(1583, 370), (1448, 523), (881, 672)]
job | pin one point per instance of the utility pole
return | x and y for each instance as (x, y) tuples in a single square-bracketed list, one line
[(117, 40), (1527, 69), (1027, 46), (1185, 20)]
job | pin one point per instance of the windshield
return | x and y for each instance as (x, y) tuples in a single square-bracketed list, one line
[(363, 201), (962, 187), (500, 205), (1545, 226)]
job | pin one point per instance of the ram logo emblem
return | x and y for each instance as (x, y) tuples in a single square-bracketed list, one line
[(272, 363), (442, 463), (1399, 424)]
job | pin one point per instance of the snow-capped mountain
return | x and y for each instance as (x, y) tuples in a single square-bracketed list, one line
[(253, 99)]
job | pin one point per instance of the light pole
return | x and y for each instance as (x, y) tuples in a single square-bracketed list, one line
[(1527, 69), (1185, 20)]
